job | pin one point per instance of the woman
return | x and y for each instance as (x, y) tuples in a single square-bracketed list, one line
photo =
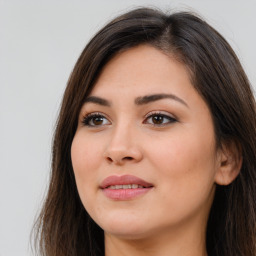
[(154, 149)]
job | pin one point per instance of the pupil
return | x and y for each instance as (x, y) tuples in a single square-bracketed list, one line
[(98, 120), (157, 119)]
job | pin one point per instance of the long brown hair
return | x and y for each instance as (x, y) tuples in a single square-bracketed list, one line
[(64, 227)]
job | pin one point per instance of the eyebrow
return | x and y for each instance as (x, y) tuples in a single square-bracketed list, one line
[(154, 97), (97, 100), (138, 101)]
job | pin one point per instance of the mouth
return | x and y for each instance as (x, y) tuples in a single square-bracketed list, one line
[(124, 187), (129, 186)]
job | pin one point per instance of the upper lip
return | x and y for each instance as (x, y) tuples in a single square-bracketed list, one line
[(124, 180)]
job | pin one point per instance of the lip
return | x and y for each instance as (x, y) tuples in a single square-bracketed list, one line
[(124, 194), (124, 180)]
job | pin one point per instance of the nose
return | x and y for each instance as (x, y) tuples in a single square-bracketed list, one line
[(123, 146)]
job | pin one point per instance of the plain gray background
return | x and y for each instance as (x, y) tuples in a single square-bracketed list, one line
[(40, 42)]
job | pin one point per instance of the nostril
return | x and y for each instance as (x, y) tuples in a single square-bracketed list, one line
[(127, 158), (109, 159), (121, 160)]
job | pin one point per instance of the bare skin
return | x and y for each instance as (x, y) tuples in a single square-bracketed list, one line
[(187, 244), (126, 128)]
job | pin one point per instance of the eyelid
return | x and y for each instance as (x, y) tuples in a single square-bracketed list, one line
[(167, 115), (86, 116), (96, 113), (160, 112)]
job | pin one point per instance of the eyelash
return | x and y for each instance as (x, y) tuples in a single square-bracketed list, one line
[(89, 117), (170, 118)]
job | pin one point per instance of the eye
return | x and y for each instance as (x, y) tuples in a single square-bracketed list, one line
[(95, 119), (159, 119)]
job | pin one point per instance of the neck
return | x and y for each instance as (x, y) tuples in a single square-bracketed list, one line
[(177, 243)]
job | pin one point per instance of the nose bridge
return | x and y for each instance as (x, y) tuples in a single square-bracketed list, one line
[(122, 135), (123, 143)]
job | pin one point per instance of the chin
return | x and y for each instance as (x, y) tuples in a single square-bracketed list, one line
[(128, 227)]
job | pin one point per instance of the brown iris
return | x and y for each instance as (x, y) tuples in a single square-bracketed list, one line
[(98, 120), (157, 119)]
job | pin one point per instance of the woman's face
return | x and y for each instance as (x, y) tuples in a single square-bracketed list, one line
[(144, 153)]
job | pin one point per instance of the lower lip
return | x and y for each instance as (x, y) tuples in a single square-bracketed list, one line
[(124, 194)]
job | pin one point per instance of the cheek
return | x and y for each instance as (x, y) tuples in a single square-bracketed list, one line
[(85, 158), (185, 162), (84, 154), (186, 174)]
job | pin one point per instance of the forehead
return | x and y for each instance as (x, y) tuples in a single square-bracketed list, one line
[(142, 70)]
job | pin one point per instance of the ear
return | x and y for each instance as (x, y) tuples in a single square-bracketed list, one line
[(229, 163)]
